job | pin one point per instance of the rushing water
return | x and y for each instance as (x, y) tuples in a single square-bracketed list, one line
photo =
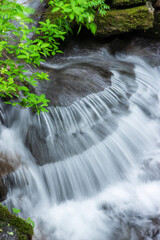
[(90, 168)]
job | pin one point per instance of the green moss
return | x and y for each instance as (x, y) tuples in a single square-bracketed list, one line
[(122, 21), (23, 229), (127, 3)]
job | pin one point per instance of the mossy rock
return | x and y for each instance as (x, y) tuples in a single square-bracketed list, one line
[(127, 3), (20, 228), (123, 21)]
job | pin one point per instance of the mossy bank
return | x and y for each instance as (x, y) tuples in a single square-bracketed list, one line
[(13, 227)]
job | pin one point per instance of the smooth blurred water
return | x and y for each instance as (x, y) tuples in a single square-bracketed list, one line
[(90, 168)]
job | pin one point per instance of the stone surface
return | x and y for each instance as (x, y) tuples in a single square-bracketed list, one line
[(8, 163), (3, 190), (7, 232), (122, 21), (157, 4), (131, 225)]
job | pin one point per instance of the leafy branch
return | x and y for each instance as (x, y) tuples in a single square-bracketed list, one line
[(16, 52)]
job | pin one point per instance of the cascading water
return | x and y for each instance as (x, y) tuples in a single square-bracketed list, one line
[(90, 170)]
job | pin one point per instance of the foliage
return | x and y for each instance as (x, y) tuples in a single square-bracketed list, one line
[(82, 11), (49, 33), (17, 51)]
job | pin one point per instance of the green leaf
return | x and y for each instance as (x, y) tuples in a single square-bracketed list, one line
[(22, 56), (56, 9), (72, 16), (80, 26), (93, 28), (78, 10), (44, 45), (15, 210), (68, 10)]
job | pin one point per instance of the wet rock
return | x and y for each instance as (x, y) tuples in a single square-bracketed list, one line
[(1, 115), (131, 225), (3, 190), (38, 148), (7, 232), (123, 21), (157, 4), (117, 45), (8, 163), (77, 80)]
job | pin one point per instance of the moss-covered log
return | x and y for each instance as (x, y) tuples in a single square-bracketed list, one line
[(122, 21), (20, 229), (127, 3)]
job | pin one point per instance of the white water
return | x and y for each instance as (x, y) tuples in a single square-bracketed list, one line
[(98, 176)]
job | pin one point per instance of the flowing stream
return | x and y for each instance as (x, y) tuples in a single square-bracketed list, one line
[(90, 168)]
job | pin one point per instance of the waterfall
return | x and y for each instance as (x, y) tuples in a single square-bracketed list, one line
[(89, 169)]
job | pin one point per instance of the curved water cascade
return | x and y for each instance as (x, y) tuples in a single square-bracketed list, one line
[(90, 168)]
